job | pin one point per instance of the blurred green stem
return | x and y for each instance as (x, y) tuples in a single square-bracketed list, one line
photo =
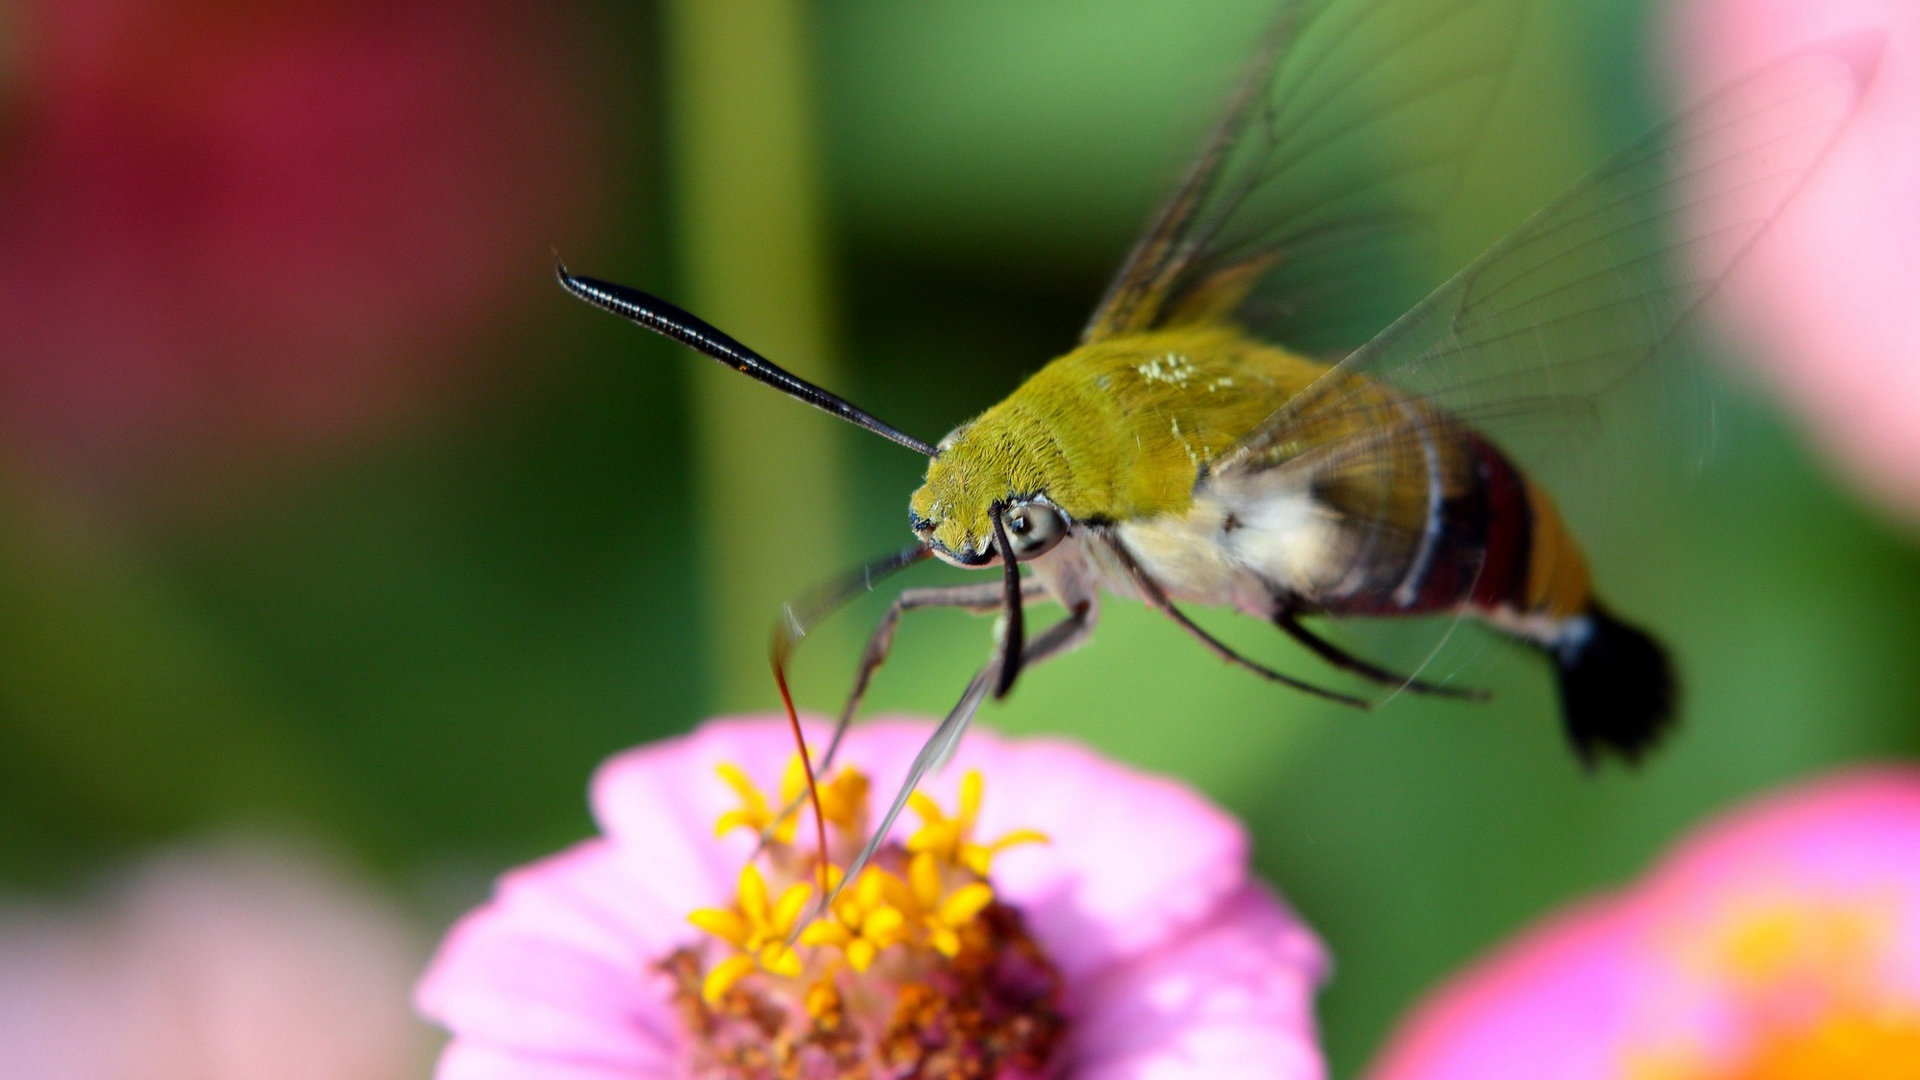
[(749, 224)]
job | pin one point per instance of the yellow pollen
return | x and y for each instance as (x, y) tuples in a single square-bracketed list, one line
[(936, 889), (757, 925), (863, 921), (901, 965), (754, 812), (844, 799), (1804, 977), (1867, 1043), (823, 1003), (950, 839), (724, 975), (1829, 941)]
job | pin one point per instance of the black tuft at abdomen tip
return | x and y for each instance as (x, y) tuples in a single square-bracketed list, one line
[(1617, 692)]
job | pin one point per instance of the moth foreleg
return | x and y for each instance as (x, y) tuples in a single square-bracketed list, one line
[(980, 599), (1062, 637), (976, 599)]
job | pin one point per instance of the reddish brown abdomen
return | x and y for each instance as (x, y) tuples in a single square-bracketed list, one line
[(1494, 545)]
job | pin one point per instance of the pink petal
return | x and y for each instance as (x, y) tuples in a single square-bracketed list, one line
[(1584, 993), (1555, 998), (659, 804), (1850, 838), (467, 1061), (1135, 859), (1825, 301), (560, 963), (1846, 828), (1233, 998), (232, 961)]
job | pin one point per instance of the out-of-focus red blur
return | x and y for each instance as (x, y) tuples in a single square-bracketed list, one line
[(234, 227)]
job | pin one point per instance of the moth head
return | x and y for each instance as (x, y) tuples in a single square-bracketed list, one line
[(978, 473)]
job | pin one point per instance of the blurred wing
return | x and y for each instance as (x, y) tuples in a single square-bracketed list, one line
[(1596, 289), (1352, 128), (1530, 344)]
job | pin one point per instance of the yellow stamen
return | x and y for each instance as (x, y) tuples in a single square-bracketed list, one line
[(951, 838), (726, 925), (757, 926), (723, 976), (966, 902), (945, 922), (823, 1002), (824, 932), (780, 960), (742, 785), (972, 786), (844, 799), (979, 857), (884, 926), (752, 894), (755, 811), (793, 903), (927, 904), (863, 921), (923, 874)]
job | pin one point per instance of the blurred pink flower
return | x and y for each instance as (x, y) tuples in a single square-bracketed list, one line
[(1827, 301), (266, 224), (229, 963), (1780, 943), (1167, 960)]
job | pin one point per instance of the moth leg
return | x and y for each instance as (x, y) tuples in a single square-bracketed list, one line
[(1157, 599), (1062, 637), (980, 599), (983, 599), (1333, 654)]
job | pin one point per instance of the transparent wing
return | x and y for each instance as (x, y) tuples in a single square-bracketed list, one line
[(1351, 130), (1531, 340), (1533, 344)]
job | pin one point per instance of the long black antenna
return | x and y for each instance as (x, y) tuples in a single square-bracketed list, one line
[(667, 320)]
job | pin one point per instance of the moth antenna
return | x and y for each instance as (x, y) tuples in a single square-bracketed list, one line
[(665, 319), (1014, 642)]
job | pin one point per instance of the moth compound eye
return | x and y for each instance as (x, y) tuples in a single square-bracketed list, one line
[(1033, 528)]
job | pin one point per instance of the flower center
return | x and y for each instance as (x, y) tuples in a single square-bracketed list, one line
[(1857, 1045), (1808, 997), (918, 970)]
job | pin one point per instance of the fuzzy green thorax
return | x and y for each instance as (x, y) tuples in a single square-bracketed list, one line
[(1111, 431)]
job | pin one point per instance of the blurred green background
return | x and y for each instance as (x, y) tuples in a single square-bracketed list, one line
[(414, 634)]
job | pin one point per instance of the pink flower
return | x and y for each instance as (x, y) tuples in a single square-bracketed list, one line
[(1131, 943), (1780, 943), (235, 962), (1826, 302)]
